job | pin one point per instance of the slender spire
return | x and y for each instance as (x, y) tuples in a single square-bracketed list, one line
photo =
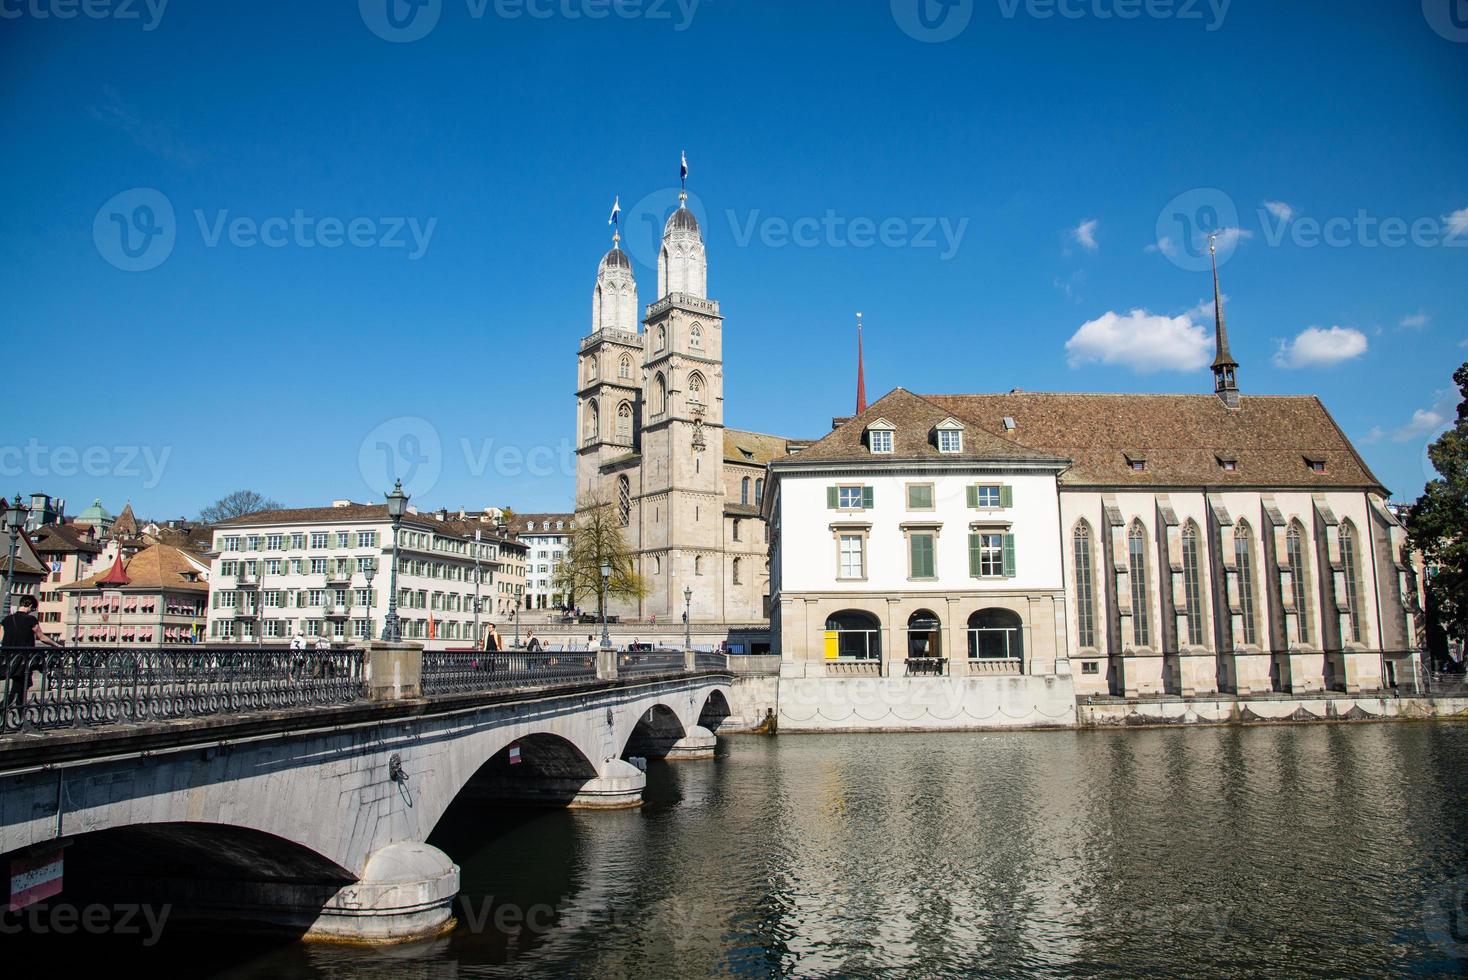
[(1225, 368), (117, 574), (861, 374), (616, 221)]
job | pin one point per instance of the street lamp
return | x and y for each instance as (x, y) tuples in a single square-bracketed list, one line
[(14, 521), (397, 506), (369, 573), (478, 539), (687, 620), (606, 577)]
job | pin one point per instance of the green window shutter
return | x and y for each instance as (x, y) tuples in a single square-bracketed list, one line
[(975, 549), (1006, 496), (1009, 556), (973, 495), (866, 497), (831, 501)]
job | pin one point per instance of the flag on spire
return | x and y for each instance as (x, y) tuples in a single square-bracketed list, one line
[(616, 212), (861, 374), (683, 169)]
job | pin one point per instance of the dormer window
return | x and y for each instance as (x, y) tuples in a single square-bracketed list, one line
[(880, 436), (1229, 464), (1136, 462), (950, 436), (1315, 465)]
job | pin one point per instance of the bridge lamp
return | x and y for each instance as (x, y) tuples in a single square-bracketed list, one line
[(369, 573), (397, 506), (606, 577), (14, 521), (687, 618)]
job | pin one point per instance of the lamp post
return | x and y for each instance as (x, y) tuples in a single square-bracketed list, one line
[(14, 520), (397, 506), (369, 573), (606, 577), (478, 538), (687, 620)]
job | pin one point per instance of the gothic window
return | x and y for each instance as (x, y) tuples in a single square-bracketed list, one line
[(662, 338), (695, 338), (591, 369), (593, 421), (744, 490), (1244, 562), (1085, 587), (698, 564), (659, 394), (736, 529), (695, 387), (736, 571), (624, 500), (1295, 553), (1348, 571), (1137, 564), (1193, 585), (624, 368), (759, 491), (624, 422)]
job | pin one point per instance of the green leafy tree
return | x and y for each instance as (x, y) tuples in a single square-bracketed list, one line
[(598, 538), (1437, 525)]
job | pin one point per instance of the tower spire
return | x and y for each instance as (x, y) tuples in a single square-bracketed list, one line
[(616, 221), (682, 177), (861, 375), (1225, 368)]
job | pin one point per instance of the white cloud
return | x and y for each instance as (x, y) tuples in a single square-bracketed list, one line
[(1374, 435), (1085, 234), (1426, 421), (1317, 347), (1230, 237), (1280, 210), (1457, 222), (1414, 322), (1142, 341), (1164, 245)]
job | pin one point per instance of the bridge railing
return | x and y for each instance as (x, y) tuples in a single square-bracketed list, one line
[(651, 662), (466, 671), (48, 688)]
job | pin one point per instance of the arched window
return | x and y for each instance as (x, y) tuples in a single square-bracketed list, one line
[(624, 500), (657, 565), (996, 634), (759, 491), (1137, 564), (856, 635), (1244, 562), (593, 421), (591, 369), (1349, 566), (1299, 589), (736, 528), (695, 338), (624, 422), (662, 338), (1085, 587), (1193, 584), (624, 368), (659, 394), (698, 564), (924, 635), (744, 490), (695, 387), (736, 571)]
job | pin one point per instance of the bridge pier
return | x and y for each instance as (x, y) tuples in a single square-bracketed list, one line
[(406, 892), (699, 743)]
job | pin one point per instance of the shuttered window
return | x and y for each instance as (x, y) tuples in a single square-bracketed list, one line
[(921, 563)]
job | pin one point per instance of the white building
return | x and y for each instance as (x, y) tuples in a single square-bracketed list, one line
[(547, 539), (326, 571)]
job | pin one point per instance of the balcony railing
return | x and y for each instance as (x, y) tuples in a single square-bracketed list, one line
[(51, 688), (467, 671)]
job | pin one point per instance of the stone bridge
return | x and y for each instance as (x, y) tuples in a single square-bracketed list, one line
[(315, 820)]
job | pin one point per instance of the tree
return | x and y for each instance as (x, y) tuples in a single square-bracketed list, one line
[(1437, 525), (598, 538), (237, 504), (507, 515)]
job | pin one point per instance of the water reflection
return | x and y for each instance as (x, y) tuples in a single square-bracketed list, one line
[(1222, 851)]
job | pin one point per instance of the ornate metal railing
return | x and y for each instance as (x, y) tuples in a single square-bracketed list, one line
[(47, 688), (650, 662), (467, 671)]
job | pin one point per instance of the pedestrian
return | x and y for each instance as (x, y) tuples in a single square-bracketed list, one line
[(323, 657), (532, 642), (22, 630), (493, 642)]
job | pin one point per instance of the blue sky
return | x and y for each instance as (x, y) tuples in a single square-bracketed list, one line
[(1018, 204)]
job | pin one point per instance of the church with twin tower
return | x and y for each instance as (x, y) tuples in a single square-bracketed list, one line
[(652, 441)]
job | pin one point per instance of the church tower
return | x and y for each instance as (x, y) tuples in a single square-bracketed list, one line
[(1225, 368), (609, 375), (682, 506)]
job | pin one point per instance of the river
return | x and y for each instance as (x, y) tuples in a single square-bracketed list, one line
[(1324, 849)]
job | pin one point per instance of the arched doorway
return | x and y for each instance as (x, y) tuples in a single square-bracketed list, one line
[(853, 635), (925, 643), (997, 636)]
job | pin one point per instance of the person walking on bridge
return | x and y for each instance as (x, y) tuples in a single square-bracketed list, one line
[(22, 630)]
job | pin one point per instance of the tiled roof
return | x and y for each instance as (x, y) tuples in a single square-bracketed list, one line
[(53, 538), (126, 524), (522, 523), (1183, 438), (351, 513), (753, 448), (914, 418), (155, 568)]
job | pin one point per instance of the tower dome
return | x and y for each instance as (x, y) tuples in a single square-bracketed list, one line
[(681, 220), (682, 262), (614, 300)]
